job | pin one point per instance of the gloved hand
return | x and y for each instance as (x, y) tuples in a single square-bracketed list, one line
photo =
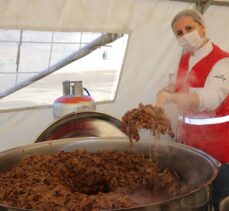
[(163, 98)]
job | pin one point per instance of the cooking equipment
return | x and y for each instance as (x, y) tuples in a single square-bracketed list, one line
[(73, 100), (224, 204), (82, 124), (195, 168)]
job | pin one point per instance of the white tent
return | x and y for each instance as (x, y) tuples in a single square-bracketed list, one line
[(152, 52)]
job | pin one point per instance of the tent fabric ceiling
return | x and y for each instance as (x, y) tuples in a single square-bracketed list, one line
[(71, 15), (152, 51)]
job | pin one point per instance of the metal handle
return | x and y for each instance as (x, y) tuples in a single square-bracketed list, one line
[(87, 91)]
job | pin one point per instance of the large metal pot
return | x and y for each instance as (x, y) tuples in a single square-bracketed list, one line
[(82, 124), (196, 169), (224, 204)]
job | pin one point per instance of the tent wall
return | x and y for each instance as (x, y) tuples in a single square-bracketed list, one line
[(151, 55), (20, 128)]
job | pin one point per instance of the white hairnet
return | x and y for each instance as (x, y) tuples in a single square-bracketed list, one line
[(196, 16)]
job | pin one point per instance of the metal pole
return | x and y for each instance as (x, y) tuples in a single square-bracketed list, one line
[(92, 46), (202, 5), (18, 55), (214, 2)]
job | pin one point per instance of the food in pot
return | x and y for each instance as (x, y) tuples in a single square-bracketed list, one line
[(81, 180), (145, 117)]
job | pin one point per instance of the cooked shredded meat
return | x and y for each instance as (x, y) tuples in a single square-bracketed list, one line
[(147, 117), (80, 180)]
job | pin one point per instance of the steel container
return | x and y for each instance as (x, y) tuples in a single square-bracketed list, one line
[(82, 124), (197, 169), (224, 204)]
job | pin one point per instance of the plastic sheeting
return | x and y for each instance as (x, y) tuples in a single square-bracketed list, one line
[(152, 51)]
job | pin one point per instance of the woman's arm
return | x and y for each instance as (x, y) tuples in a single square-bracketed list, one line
[(216, 87), (171, 88), (209, 97), (183, 100)]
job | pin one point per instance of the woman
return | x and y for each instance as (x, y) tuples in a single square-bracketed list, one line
[(201, 92)]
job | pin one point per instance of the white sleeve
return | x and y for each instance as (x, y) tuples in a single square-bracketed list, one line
[(216, 87)]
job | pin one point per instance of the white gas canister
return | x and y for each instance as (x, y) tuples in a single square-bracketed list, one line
[(73, 100)]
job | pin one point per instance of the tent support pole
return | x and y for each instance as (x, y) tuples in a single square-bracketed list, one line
[(202, 5), (92, 46), (216, 2)]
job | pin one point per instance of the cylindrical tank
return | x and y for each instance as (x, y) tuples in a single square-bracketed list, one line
[(73, 100)]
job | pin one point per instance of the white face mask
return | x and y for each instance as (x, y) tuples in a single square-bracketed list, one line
[(191, 41)]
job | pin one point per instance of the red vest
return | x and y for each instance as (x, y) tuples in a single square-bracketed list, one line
[(207, 131)]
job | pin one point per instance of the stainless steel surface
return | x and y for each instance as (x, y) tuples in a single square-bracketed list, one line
[(82, 124), (73, 88), (77, 88), (196, 168), (66, 88), (197, 201), (224, 204)]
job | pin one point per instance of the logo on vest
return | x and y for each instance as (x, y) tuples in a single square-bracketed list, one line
[(220, 77)]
